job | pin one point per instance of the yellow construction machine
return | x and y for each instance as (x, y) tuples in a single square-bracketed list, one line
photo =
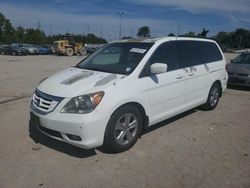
[(67, 46)]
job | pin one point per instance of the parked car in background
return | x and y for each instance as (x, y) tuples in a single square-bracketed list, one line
[(242, 50), (239, 70), (42, 50), (14, 50), (126, 86), (1, 49), (31, 49), (90, 50), (49, 48)]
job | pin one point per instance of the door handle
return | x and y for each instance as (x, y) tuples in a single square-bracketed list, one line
[(190, 71), (179, 77)]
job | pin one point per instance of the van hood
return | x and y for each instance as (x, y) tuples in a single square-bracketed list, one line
[(74, 82)]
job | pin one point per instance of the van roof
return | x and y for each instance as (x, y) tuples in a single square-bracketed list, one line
[(162, 39)]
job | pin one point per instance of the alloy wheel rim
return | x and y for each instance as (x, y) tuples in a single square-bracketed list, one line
[(126, 128), (214, 96)]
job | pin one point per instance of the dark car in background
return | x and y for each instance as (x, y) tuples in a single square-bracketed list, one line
[(14, 50), (90, 50), (1, 49), (239, 70)]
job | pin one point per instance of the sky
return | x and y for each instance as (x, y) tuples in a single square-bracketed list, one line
[(101, 16)]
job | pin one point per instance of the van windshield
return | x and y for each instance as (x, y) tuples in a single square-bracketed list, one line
[(118, 58)]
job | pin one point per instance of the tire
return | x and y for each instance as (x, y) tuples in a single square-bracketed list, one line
[(82, 51), (123, 129), (213, 97), (69, 51)]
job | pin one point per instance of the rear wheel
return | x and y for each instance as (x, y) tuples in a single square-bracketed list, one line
[(123, 129), (69, 51), (213, 97)]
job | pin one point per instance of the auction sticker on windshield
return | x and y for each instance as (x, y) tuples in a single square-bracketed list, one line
[(138, 50)]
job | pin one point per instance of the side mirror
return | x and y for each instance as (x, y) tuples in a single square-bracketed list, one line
[(158, 68), (231, 60)]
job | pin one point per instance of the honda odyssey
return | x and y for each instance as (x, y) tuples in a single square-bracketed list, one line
[(126, 86)]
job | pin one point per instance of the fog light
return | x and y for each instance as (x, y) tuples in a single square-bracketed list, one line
[(74, 137)]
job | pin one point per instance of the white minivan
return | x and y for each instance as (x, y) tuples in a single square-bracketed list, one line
[(112, 95)]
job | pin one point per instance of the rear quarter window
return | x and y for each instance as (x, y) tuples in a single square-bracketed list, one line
[(210, 52)]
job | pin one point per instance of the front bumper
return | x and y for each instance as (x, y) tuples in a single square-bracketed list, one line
[(81, 130)]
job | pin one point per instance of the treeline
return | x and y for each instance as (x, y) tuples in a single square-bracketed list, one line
[(240, 38), (9, 34)]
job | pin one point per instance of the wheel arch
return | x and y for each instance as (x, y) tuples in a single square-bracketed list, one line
[(140, 107), (220, 85)]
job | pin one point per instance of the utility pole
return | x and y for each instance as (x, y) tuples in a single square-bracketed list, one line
[(101, 32), (240, 41), (50, 31), (87, 30), (179, 30), (120, 13), (39, 25)]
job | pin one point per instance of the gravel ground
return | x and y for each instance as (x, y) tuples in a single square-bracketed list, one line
[(194, 149)]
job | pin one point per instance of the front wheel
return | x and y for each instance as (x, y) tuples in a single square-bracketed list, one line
[(213, 97), (123, 129), (69, 51)]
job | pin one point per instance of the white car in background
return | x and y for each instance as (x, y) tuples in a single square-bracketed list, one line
[(31, 49), (126, 86)]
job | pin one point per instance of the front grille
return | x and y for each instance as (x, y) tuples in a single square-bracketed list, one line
[(43, 103)]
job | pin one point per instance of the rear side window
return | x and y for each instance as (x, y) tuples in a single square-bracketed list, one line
[(210, 52), (194, 53), (190, 54), (167, 53)]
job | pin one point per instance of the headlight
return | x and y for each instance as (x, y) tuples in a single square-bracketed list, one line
[(83, 104)]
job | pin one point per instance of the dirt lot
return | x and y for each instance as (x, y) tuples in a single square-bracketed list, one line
[(195, 149)]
